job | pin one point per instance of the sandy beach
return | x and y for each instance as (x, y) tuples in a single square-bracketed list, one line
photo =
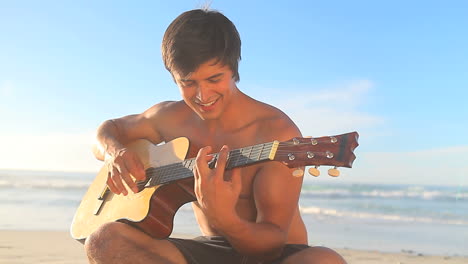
[(53, 247)]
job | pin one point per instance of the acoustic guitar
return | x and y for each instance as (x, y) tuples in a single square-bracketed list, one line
[(169, 180)]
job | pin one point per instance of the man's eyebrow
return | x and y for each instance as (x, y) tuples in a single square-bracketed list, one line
[(215, 76), (211, 77)]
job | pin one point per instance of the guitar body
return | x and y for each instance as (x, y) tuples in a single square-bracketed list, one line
[(151, 210)]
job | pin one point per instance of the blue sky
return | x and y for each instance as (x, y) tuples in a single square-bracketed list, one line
[(396, 72)]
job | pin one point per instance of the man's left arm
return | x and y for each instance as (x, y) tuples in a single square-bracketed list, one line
[(276, 193)]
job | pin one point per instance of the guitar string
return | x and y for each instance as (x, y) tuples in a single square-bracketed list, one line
[(172, 169), (236, 158), (239, 153), (171, 172), (175, 173), (233, 158)]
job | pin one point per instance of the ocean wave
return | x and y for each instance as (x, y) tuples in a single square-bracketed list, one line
[(409, 192), (45, 184), (330, 212)]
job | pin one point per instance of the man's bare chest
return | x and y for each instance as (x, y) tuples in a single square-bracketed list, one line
[(198, 138)]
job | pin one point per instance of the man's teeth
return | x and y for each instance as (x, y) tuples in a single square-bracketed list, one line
[(208, 104)]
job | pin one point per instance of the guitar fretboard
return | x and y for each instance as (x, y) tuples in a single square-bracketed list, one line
[(236, 158)]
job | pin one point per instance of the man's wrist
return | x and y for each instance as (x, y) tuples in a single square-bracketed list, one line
[(231, 226), (113, 150)]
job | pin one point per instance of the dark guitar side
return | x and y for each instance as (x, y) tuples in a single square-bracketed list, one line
[(164, 203)]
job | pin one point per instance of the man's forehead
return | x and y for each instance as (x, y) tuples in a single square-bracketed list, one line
[(205, 70), (214, 75), (185, 77)]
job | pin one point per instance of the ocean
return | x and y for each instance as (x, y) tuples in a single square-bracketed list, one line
[(389, 218)]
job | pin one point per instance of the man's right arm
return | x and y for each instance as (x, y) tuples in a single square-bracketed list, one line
[(112, 136)]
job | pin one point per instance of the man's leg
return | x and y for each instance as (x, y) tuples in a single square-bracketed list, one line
[(120, 243), (315, 255)]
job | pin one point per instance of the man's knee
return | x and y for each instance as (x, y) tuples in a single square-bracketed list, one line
[(119, 240), (104, 241), (316, 255)]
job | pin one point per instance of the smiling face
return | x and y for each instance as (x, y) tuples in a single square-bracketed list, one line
[(208, 90)]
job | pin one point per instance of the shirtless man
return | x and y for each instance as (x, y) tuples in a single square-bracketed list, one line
[(248, 215)]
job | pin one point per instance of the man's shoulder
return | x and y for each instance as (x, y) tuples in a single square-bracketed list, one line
[(167, 109), (274, 123)]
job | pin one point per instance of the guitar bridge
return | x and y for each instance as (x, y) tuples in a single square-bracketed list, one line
[(98, 208), (101, 200)]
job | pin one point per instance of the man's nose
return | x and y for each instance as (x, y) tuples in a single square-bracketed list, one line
[(202, 93)]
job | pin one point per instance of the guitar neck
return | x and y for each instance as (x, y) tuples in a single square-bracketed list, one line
[(236, 158)]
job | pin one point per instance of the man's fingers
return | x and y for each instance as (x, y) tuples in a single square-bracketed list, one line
[(201, 160), (110, 183), (117, 180), (196, 186), (125, 175), (137, 169), (222, 160), (204, 151)]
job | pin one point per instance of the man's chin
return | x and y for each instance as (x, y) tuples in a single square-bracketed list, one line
[(206, 116)]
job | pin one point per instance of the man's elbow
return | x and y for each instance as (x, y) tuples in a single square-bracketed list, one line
[(274, 249), (98, 151)]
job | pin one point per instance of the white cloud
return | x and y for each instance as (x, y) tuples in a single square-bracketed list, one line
[(344, 95), (52, 151), (335, 110), (326, 111)]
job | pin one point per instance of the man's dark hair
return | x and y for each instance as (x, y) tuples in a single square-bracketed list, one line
[(198, 36)]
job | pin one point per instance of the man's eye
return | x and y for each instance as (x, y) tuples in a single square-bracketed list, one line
[(214, 80), (188, 84)]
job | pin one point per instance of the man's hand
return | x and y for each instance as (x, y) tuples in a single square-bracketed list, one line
[(121, 167), (216, 196)]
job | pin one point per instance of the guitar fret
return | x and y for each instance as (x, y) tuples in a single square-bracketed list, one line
[(266, 154), (261, 150), (262, 153), (229, 159), (245, 157), (255, 153), (237, 157), (189, 164), (240, 157), (250, 152)]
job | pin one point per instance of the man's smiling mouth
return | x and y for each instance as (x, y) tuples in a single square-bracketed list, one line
[(208, 103)]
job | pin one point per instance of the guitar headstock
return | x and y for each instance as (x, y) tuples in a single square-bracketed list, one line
[(336, 151)]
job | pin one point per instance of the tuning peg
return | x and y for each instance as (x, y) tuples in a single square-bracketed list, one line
[(298, 172), (334, 172), (314, 171)]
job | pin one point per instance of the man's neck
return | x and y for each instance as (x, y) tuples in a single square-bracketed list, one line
[(235, 116)]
